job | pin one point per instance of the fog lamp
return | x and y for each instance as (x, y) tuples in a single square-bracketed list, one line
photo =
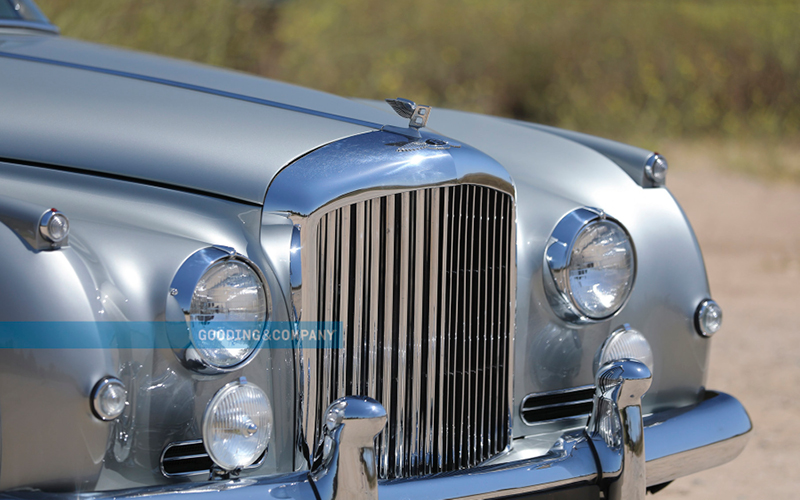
[(625, 343), (237, 425), (708, 318), (109, 398)]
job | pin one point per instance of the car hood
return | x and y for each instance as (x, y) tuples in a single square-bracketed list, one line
[(76, 105), (91, 108)]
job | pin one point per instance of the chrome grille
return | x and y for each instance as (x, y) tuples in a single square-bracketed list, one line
[(423, 283)]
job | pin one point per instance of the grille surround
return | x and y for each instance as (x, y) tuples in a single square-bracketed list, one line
[(428, 437)]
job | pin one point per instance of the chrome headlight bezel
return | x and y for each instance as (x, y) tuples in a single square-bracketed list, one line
[(179, 303), (558, 255)]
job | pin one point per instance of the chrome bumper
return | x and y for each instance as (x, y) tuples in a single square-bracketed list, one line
[(610, 454)]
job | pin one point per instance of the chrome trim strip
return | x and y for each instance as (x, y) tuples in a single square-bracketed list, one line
[(358, 299), (559, 405), (433, 320), (416, 401), (443, 331), (525, 401), (31, 25), (344, 295), (189, 86), (483, 326), (456, 444), (467, 394), (388, 330), (375, 299), (558, 391), (184, 457), (191, 442), (402, 332), (510, 328), (494, 320)]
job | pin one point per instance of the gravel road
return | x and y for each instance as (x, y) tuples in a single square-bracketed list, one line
[(749, 231)]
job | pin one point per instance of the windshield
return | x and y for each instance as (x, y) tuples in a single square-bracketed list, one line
[(21, 10)]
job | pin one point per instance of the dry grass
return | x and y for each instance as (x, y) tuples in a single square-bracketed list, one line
[(772, 160)]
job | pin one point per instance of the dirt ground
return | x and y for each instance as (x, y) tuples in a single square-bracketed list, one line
[(749, 231)]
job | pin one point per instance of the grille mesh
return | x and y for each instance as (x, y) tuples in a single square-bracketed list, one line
[(422, 281)]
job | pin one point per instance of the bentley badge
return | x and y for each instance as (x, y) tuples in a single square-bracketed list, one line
[(416, 113)]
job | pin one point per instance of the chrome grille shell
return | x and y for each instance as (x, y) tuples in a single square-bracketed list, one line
[(449, 403)]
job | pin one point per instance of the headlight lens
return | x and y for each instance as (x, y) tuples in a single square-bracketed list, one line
[(228, 300), (237, 425), (601, 269), (592, 264)]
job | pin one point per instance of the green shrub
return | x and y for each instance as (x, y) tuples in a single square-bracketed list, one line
[(618, 69)]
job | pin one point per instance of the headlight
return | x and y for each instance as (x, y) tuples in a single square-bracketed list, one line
[(225, 304), (237, 425), (592, 266), (228, 299)]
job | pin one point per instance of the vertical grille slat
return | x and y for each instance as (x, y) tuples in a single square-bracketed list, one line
[(388, 329), (442, 337), (340, 372), (432, 338), (421, 283)]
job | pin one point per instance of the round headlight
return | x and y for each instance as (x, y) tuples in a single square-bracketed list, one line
[(217, 310), (592, 266), (237, 425), (229, 299)]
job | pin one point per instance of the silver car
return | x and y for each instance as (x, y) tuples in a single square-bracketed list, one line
[(218, 284)]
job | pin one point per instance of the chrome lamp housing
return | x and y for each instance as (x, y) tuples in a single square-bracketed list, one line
[(206, 334), (591, 266)]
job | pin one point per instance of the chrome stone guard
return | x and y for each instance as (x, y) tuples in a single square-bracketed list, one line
[(610, 452)]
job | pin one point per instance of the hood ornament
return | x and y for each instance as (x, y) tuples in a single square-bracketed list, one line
[(417, 114)]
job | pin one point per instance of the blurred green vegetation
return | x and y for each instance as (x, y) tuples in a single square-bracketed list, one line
[(621, 69)]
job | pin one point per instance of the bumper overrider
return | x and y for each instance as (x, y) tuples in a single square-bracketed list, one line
[(620, 452)]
